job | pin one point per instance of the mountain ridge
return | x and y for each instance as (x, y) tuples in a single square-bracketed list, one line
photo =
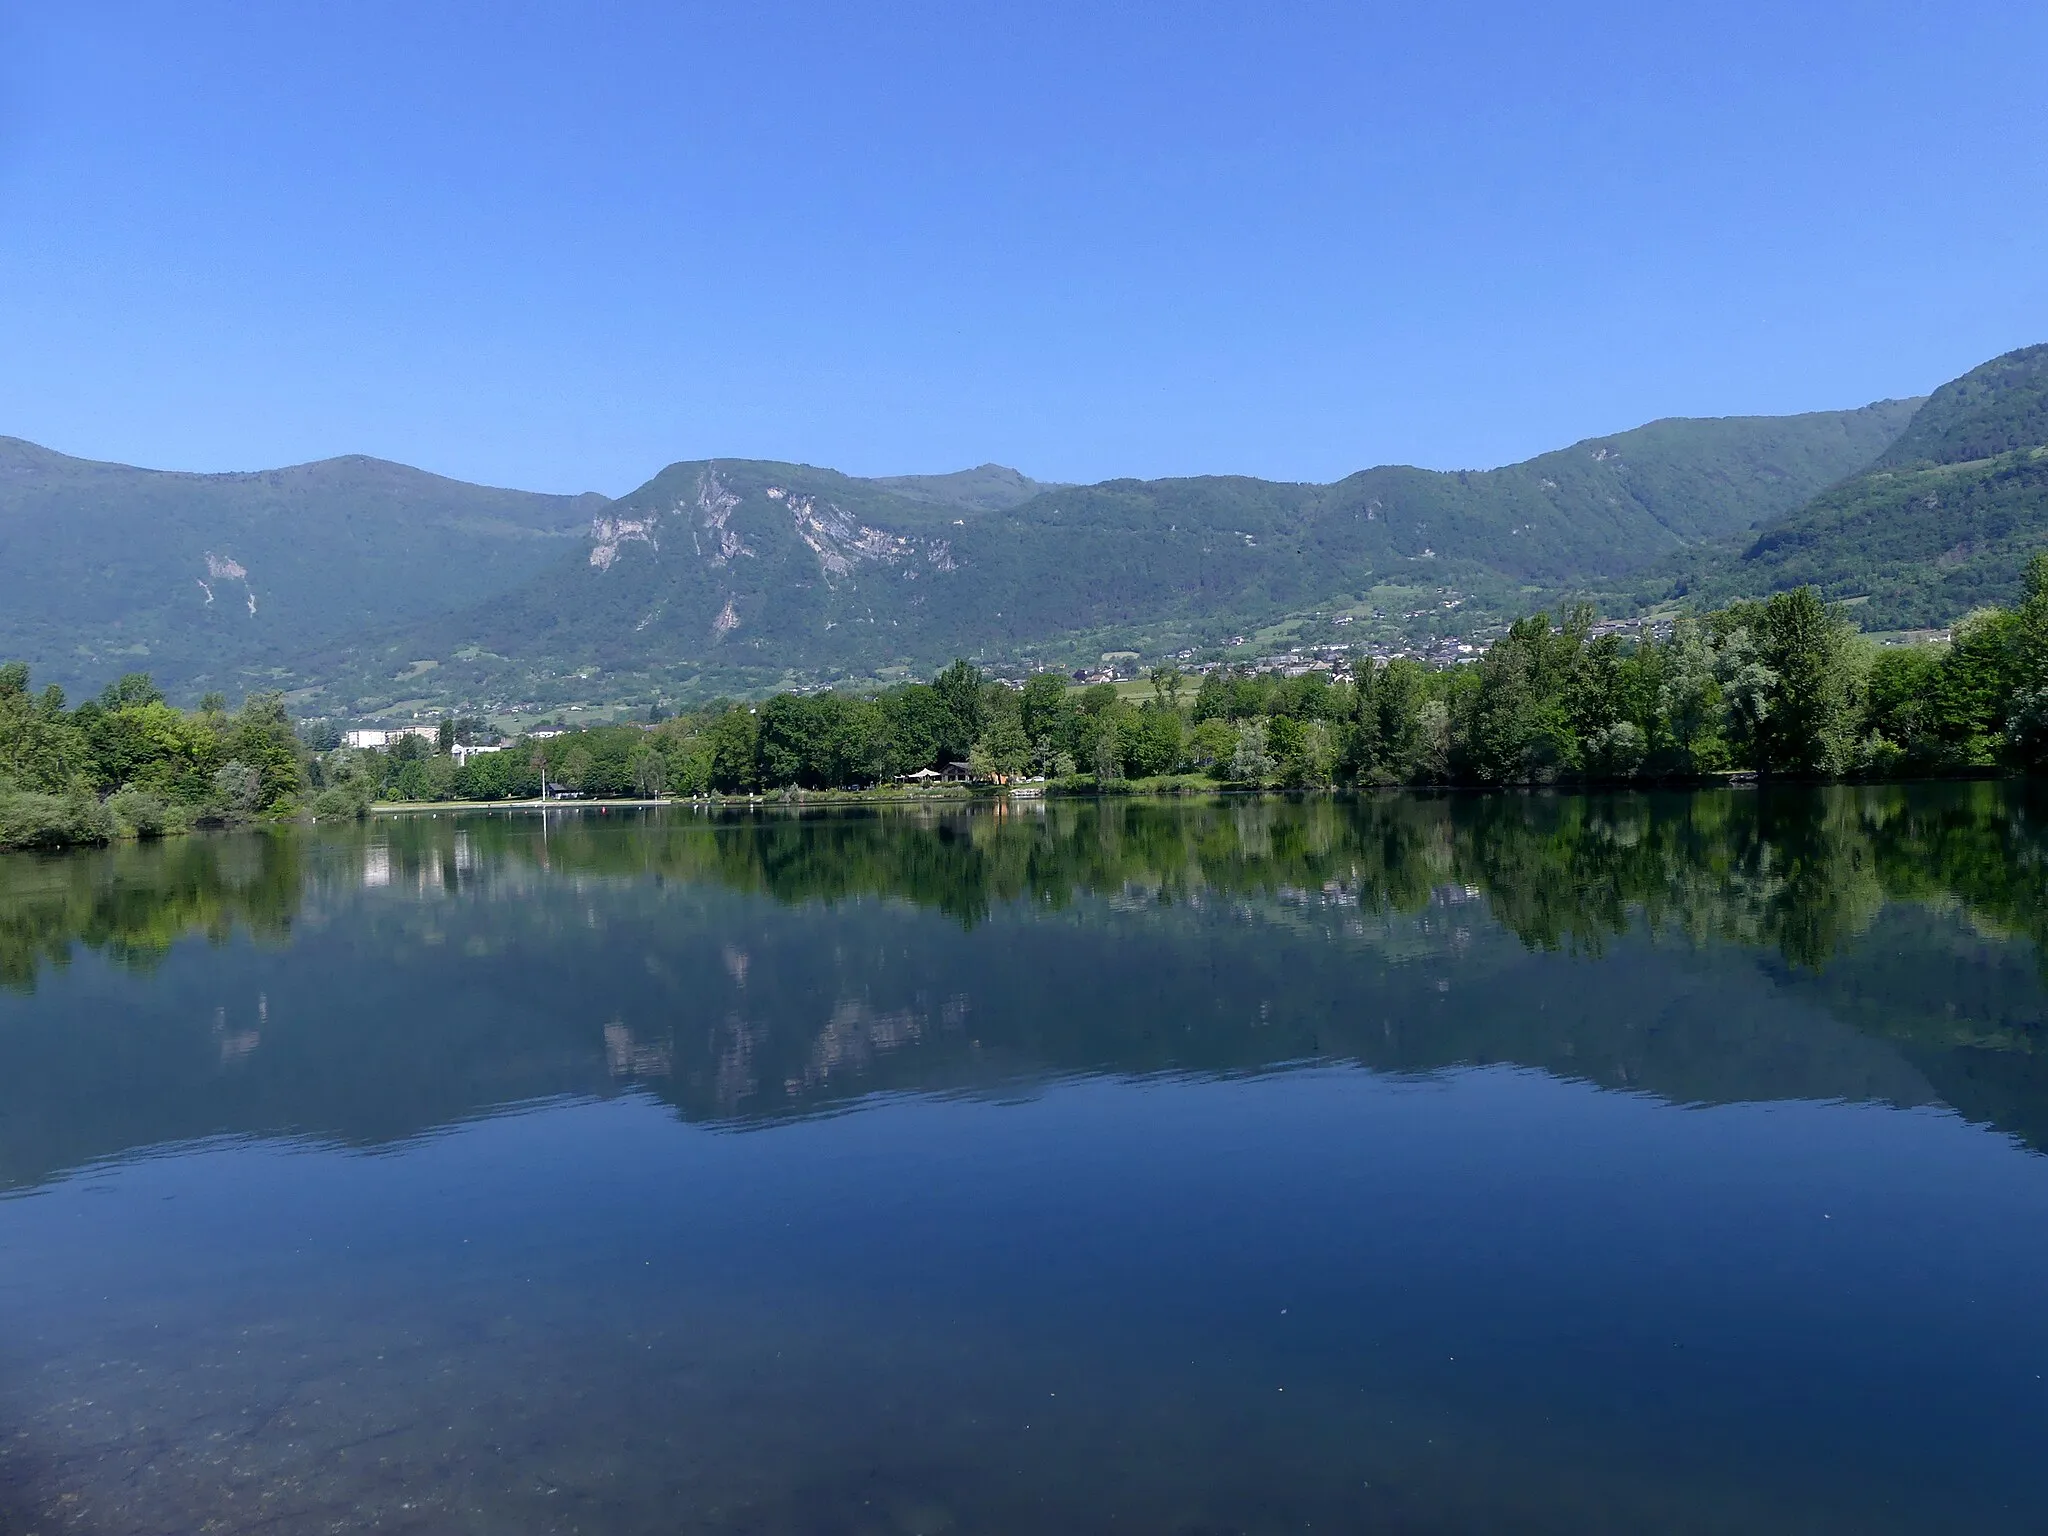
[(361, 584), (736, 575), (1942, 522), (219, 579)]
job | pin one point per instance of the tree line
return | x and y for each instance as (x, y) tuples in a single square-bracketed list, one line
[(126, 763), (1784, 688)]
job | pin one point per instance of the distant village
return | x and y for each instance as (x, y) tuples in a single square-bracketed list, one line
[(1114, 667), (1295, 661)]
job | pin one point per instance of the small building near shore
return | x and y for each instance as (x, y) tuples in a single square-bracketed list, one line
[(384, 736)]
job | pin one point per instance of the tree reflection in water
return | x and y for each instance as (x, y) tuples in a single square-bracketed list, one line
[(395, 975)]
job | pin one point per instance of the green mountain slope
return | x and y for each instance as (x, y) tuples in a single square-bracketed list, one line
[(988, 488), (219, 580), (734, 574), (1944, 521), (1991, 410)]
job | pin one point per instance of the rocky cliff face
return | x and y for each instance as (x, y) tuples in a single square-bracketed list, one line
[(718, 548)]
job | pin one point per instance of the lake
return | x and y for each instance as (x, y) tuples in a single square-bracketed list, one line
[(1403, 1163)]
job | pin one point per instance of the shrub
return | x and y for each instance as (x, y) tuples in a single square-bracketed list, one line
[(341, 802), (138, 811), (1615, 751), (1876, 757), (236, 793), (52, 821), (2027, 727)]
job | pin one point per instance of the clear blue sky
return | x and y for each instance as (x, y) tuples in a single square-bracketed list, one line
[(562, 245)]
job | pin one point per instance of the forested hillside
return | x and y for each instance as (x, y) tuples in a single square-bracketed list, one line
[(1783, 688), (220, 581), (1992, 409), (987, 488), (730, 575), (358, 585), (1941, 524)]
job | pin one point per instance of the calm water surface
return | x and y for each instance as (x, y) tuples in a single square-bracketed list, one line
[(1521, 1163)]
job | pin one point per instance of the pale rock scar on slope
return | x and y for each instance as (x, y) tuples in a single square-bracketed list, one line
[(717, 504), (837, 538), (226, 568), (840, 541), (608, 533), (727, 621)]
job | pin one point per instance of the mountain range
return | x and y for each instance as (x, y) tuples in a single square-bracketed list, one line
[(359, 585), (1942, 522), (225, 580)]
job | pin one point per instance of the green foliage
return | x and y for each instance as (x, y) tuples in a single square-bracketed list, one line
[(2027, 727), (963, 707), (1807, 727), (1108, 756), (1690, 699), (734, 738), (105, 562), (30, 820), (341, 802), (1250, 762), (650, 772), (1783, 688), (988, 488), (1993, 409), (126, 763), (738, 573), (142, 814), (1516, 727), (1150, 740), (1943, 522), (1004, 751)]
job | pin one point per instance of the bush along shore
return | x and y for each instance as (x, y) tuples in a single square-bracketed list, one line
[(127, 764), (1782, 688)]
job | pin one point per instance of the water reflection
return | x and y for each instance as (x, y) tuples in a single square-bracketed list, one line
[(132, 903), (1795, 870), (1877, 943), (1245, 1166)]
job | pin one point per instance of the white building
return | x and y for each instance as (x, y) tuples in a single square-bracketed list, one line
[(385, 736)]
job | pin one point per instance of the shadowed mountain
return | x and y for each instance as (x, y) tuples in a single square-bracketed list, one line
[(1943, 522), (220, 580), (736, 574)]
